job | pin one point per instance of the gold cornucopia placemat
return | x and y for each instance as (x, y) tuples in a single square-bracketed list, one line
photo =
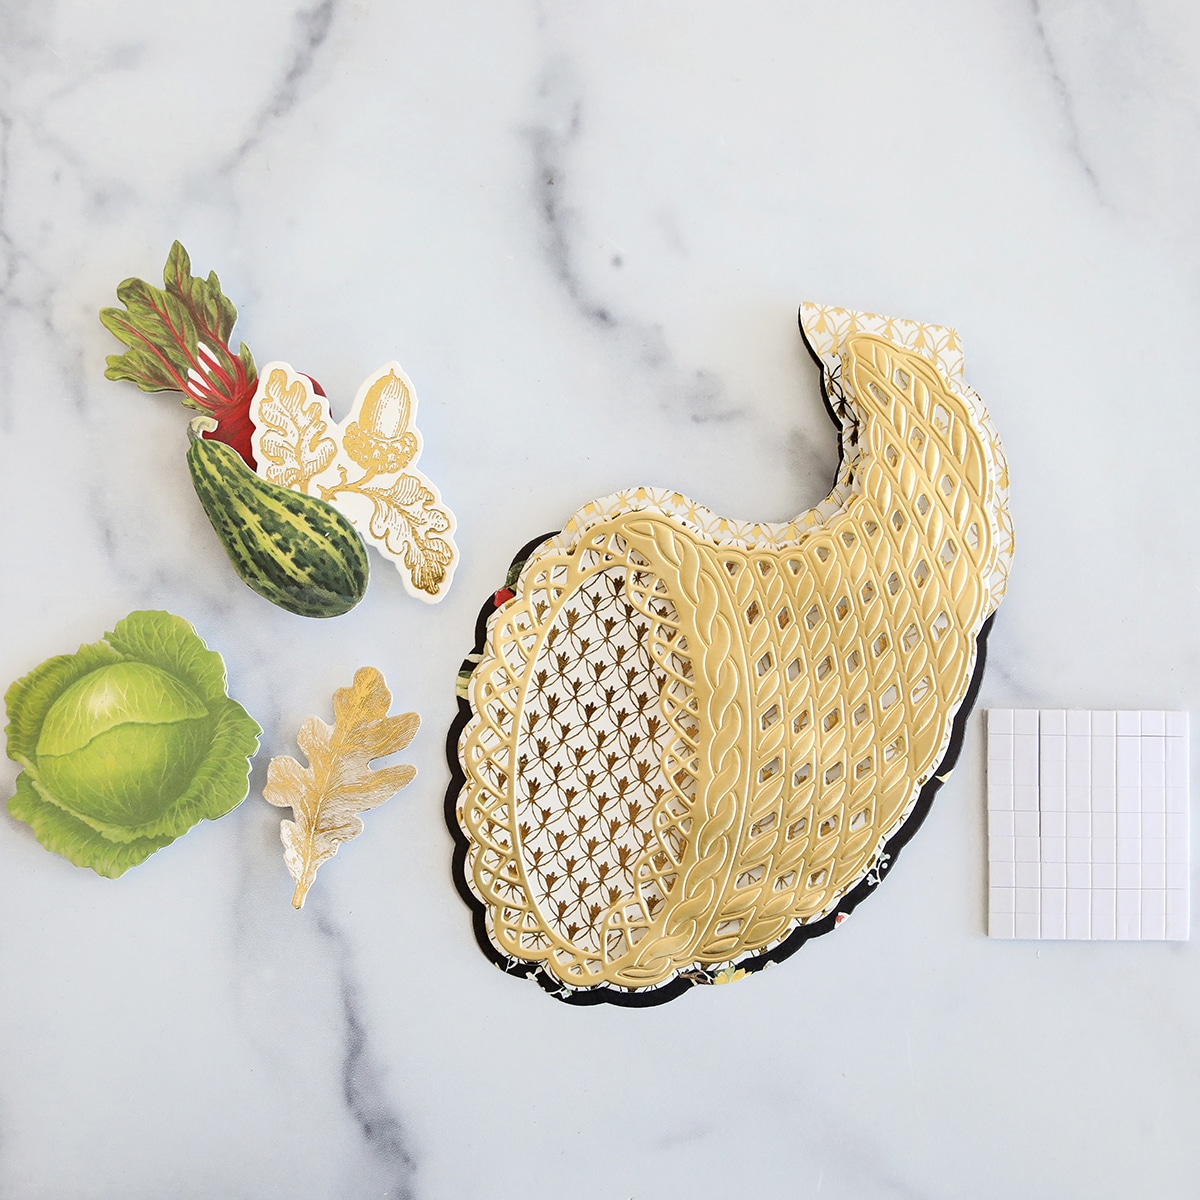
[(688, 743)]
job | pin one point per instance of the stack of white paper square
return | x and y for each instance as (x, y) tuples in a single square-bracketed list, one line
[(1087, 824)]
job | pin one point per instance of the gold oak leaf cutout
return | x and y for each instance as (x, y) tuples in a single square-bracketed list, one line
[(326, 796)]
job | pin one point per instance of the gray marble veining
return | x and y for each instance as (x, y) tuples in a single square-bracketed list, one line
[(585, 231)]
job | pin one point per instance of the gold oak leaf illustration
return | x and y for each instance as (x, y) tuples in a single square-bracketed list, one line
[(293, 445), (407, 519), (326, 796)]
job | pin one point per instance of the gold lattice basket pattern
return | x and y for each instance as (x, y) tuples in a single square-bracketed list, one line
[(689, 735)]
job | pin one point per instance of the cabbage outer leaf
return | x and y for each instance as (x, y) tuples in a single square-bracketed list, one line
[(57, 830), (169, 642)]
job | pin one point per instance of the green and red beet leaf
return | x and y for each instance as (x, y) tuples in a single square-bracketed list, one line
[(178, 339)]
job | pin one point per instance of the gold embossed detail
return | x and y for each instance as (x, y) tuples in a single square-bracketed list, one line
[(292, 427), (366, 467), (380, 440), (328, 795), (808, 678), (589, 748)]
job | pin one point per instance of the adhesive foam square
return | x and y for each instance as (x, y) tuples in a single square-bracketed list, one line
[(1092, 807)]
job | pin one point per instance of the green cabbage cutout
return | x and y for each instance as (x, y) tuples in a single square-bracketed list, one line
[(127, 743)]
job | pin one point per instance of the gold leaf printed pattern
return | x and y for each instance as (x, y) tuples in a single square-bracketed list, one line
[(588, 756), (407, 519), (292, 423), (326, 796)]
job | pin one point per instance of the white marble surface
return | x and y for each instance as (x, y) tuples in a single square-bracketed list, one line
[(585, 230)]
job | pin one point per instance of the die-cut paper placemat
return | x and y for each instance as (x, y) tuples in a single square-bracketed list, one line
[(688, 744)]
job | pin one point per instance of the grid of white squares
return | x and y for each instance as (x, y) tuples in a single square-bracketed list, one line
[(1087, 824)]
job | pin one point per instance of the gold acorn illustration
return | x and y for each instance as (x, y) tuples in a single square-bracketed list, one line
[(688, 737), (372, 440)]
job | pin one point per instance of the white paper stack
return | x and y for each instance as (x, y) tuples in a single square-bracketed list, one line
[(1087, 824)]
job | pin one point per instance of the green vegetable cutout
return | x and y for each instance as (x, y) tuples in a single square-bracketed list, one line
[(178, 339), (127, 743), (295, 550)]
